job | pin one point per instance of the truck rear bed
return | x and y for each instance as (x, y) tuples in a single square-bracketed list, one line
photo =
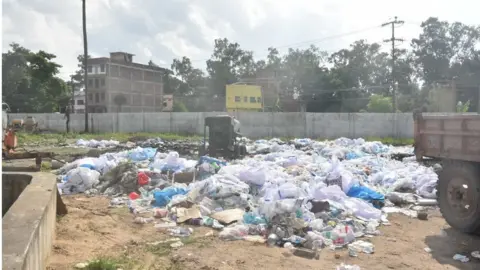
[(447, 136)]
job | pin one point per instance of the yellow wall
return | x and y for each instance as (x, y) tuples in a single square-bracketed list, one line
[(238, 98)]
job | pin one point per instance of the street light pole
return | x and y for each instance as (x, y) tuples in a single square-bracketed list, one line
[(85, 58)]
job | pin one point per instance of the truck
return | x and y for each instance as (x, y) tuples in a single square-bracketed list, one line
[(454, 139)]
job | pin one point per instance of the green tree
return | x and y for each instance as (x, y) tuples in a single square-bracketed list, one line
[(380, 104), (78, 77), (228, 64), (170, 83), (190, 78), (179, 106), (441, 46), (463, 108), (30, 82)]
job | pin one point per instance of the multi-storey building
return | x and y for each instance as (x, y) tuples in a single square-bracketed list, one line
[(79, 102), (117, 84)]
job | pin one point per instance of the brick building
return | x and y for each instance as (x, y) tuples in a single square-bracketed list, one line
[(117, 84)]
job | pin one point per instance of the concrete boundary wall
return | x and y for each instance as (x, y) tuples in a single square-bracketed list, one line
[(253, 124), (29, 225)]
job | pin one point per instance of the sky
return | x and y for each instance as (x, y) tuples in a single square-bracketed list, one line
[(161, 30)]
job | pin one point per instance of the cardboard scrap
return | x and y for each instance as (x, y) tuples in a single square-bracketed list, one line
[(184, 214), (228, 216)]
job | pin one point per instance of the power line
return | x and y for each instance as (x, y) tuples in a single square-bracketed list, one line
[(393, 39), (313, 41)]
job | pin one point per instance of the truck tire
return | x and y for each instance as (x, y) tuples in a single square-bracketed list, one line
[(458, 193)]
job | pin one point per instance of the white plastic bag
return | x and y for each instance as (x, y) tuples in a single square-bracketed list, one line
[(317, 225), (79, 180), (253, 176), (333, 193), (290, 190), (237, 232), (362, 209), (426, 184)]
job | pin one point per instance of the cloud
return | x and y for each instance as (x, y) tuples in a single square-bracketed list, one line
[(162, 30)]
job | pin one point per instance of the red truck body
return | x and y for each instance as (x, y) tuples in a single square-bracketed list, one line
[(446, 136)]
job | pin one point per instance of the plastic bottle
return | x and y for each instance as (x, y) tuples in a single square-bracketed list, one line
[(143, 192), (272, 239), (180, 231), (295, 239), (142, 220)]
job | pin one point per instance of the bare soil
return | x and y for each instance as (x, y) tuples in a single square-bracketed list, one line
[(92, 230)]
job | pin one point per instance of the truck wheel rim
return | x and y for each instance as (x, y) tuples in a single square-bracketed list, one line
[(461, 197)]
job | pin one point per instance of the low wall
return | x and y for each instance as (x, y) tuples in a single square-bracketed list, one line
[(29, 225), (12, 186), (253, 124)]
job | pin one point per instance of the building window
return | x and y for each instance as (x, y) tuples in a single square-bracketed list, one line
[(102, 82), (102, 68), (80, 102), (97, 83), (102, 96), (259, 99), (90, 97), (245, 99), (90, 82), (237, 99), (97, 98), (253, 100), (90, 69)]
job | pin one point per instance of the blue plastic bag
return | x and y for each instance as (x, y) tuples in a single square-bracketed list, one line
[(146, 153), (207, 159), (163, 197), (367, 194), (251, 218), (88, 166)]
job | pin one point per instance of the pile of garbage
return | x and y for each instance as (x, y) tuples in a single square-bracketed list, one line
[(183, 147), (303, 195), (96, 144)]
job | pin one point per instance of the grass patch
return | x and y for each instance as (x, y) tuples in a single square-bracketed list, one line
[(161, 249), (110, 263), (120, 211), (175, 266), (103, 264), (62, 138), (46, 166), (164, 249), (189, 240)]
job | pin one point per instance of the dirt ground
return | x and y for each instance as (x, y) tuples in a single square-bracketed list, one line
[(92, 230)]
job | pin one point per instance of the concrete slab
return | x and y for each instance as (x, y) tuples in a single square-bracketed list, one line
[(29, 225)]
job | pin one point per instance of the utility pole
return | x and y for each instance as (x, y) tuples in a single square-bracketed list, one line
[(393, 39), (72, 105), (85, 58)]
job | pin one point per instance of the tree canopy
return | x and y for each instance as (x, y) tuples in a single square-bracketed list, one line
[(30, 82), (353, 79), (348, 80)]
